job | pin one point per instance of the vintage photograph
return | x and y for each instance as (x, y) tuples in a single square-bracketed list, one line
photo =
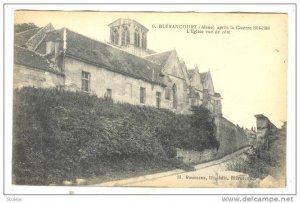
[(149, 99)]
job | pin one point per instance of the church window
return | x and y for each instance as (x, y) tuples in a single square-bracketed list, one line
[(142, 95), (137, 39), (125, 36), (115, 37), (123, 42), (168, 94), (85, 81)]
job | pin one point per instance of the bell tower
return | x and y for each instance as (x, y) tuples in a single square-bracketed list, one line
[(129, 35)]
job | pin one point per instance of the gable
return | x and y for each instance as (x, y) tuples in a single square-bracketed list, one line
[(185, 72), (173, 66), (196, 80), (207, 82), (159, 58)]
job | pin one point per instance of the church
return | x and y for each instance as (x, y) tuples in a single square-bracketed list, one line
[(123, 69)]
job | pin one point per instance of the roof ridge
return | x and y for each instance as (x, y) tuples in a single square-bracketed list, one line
[(35, 53), (108, 44)]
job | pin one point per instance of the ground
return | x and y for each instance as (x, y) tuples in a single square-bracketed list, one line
[(210, 174)]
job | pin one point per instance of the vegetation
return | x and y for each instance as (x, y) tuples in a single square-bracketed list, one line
[(61, 135), (266, 159), (24, 26)]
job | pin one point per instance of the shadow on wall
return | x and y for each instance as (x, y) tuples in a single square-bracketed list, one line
[(230, 136)]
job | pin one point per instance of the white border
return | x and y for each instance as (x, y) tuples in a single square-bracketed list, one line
[(9, 19)]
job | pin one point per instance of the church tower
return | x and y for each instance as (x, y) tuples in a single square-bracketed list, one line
[(130, 36)]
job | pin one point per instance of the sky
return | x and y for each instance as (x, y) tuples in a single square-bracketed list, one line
[(248, 67)]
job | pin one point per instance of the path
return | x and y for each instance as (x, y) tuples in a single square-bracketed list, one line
[(210, 174)]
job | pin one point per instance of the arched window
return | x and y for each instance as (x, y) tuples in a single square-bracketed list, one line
[(174, 95), (144, 41), (115, 37), (137, 38), (123, 42), (125, 36)]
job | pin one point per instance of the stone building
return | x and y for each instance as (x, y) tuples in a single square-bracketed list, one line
[(265, 128), (123, 69)]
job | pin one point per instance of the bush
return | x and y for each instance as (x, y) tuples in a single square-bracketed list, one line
[(266, 159), (198, 130), (60, 135)]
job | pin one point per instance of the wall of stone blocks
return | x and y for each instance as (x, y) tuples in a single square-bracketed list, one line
[(196, 157), (230, 136), (125, 89), (33, 77)]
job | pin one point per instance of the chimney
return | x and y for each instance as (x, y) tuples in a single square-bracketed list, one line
[(54, 47), (50, 43)]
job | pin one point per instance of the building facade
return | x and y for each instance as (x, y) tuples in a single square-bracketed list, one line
[(123, 69)]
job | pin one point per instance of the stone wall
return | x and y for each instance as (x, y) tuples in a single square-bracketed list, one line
[(183, 105), (264, 128), (196, 157), (124, 88), (25, 76), (230, 136)]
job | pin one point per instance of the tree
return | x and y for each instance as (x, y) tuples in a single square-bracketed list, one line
[(24, 26)]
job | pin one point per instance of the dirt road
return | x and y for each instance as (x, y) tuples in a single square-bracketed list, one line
[(210, 174)]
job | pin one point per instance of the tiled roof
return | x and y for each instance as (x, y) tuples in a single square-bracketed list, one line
[(159, 58), (29, 58), (111, 58), (22, 37), (34, 41)]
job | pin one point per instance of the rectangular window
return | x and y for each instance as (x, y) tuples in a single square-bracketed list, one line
[(158, 99), (168, 93), (109, 93), (142, 95), (85, 81)]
